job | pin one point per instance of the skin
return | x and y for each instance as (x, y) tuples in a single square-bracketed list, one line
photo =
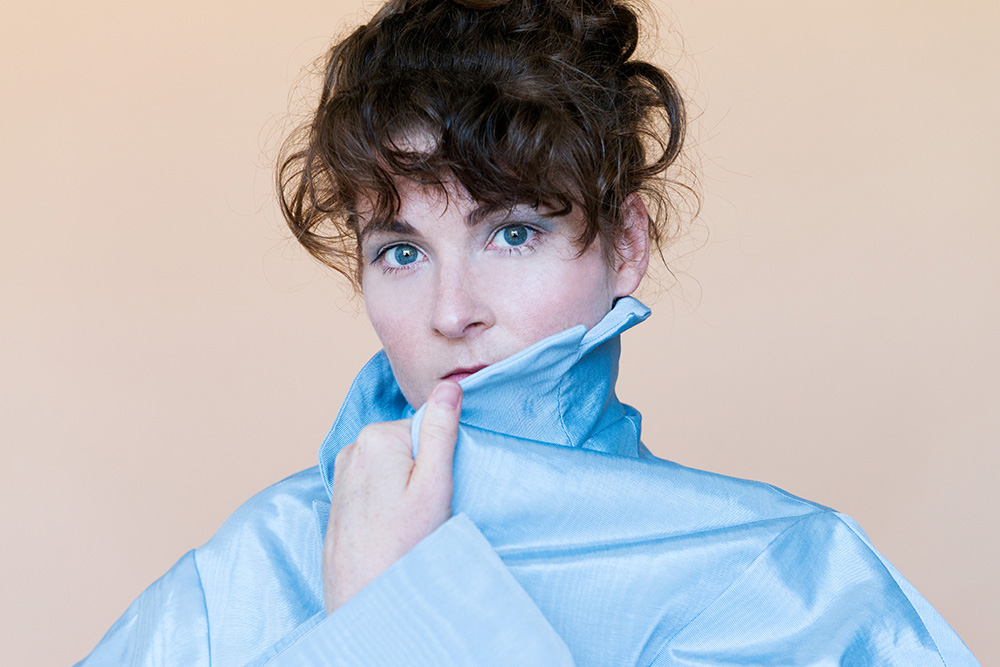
[(446, 298)]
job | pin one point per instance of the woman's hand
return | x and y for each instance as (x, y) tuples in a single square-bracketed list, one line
[(384, 501)]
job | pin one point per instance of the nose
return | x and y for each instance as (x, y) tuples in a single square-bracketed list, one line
[(461, 307)]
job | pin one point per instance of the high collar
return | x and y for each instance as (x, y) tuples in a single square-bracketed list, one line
[(559, 391)]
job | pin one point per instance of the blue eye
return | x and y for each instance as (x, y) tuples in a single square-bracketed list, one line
[(404, 254), (513, 236), (400, 255)]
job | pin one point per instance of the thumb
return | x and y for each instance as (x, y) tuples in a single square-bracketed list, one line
[(439, 431)]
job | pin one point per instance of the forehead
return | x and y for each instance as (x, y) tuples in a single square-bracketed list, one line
[(418, 202)]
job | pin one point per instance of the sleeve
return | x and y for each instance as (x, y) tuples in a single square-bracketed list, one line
[(449, 601), (166, 625), (818, 595)]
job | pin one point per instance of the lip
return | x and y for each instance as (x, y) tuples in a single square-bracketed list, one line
[(462, 373)]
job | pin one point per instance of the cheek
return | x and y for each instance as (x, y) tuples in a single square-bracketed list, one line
[(563, 295), (392, 316), (405, 348)]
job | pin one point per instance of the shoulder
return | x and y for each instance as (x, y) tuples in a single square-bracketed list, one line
[(260, 572), (298, 490), (808, 577), (728, 500), (253, 582), (273, 512), (279, 529)]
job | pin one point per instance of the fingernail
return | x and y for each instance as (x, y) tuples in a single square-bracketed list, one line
[(448, 394)]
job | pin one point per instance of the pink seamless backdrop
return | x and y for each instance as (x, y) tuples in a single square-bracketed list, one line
[(167, 351)]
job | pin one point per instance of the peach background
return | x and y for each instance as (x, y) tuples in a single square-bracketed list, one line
[(166, 351)]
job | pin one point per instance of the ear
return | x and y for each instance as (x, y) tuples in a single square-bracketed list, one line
[(632, 248)]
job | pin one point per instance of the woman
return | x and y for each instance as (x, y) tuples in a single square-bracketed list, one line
[(483, 173)]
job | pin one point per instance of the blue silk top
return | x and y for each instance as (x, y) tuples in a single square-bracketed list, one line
[(570, 544)]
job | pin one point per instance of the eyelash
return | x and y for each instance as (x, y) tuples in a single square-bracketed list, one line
[(528, 245), (388, 268)]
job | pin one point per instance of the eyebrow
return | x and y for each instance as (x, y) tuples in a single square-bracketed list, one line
[(391, 226), (397, 226)]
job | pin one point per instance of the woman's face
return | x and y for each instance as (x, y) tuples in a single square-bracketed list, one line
[(450, 292)]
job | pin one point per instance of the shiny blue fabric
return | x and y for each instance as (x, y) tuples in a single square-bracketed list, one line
[(570, 544)]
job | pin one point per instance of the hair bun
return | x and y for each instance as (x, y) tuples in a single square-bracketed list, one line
[(481, 4)]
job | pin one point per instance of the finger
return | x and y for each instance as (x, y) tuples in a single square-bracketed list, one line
[(380, 458), (439, 430), (341, 462)]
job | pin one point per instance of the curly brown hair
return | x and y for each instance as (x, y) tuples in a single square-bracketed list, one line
[(523, 101)]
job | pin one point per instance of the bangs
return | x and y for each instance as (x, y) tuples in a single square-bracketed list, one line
[(426, 128)]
